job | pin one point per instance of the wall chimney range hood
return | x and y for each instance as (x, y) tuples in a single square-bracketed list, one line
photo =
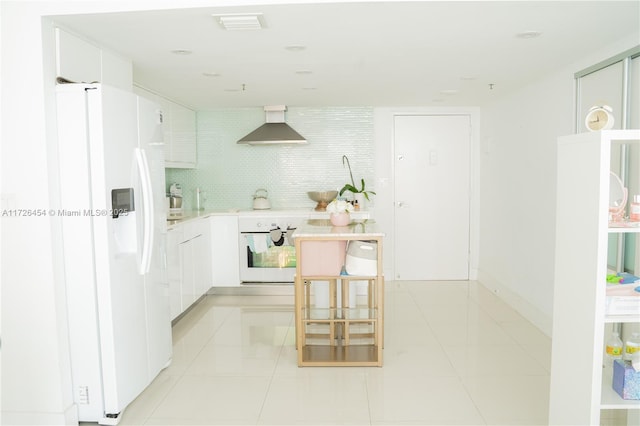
[(274, 131)]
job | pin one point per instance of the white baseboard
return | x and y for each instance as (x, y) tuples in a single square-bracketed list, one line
[(68, 417), (539, 319)]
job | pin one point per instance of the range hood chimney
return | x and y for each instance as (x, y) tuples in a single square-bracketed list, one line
[(274, 131)]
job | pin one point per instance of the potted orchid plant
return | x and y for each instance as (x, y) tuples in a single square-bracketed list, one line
[(339, 212), (351, 187)]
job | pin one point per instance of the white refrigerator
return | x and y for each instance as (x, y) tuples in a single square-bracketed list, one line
[(111, 205)]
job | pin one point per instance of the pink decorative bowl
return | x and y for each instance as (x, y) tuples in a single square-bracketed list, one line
[(340, 219)]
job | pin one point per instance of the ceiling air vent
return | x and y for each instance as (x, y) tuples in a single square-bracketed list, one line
[(240, 21)]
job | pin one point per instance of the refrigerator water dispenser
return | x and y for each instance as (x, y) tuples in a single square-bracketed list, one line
[(124, 226)]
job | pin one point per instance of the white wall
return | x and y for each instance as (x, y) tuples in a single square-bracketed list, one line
[(517, 173), (35, 371), (35, 366)]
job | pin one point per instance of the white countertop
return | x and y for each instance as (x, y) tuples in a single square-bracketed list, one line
[(303, 213), (358, 229)]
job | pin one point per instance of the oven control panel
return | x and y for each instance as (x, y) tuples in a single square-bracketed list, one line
[(266, 224)]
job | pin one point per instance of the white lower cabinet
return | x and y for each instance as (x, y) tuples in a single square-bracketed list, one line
[(188, 290), (174, 240), (224, 251), (188, 263), (201, 255)]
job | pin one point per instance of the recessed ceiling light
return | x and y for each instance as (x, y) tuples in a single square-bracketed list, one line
[(304, 72), (528, 34), (181, 52), (211, 74), (449, 92), (295, 48), (309, 88), (240, 21), (468, 78)]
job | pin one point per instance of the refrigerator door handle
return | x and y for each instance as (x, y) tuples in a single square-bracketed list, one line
[(147, 202)]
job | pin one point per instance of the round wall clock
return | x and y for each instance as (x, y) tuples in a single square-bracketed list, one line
[(599, 118)]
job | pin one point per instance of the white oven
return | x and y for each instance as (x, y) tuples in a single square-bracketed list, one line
[(267, 252)]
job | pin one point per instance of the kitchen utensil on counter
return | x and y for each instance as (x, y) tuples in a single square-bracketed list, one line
[(175, 189), (260, 200), (175, 200), (175, 206), (201, 197), (322, 198)]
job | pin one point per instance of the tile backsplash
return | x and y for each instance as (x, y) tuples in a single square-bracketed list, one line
[(229, 174)]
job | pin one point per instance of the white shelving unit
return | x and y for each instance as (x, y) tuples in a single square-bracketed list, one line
[(580, 387)]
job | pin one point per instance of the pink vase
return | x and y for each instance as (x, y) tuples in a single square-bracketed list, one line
[(340, 219)]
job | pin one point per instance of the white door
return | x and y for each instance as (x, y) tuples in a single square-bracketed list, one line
[(432, 169)]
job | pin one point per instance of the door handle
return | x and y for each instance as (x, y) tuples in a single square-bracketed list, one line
[(147, 202), (400, 204)]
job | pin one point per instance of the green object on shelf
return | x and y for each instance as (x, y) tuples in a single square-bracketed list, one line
[(622, 278), (613, 278)]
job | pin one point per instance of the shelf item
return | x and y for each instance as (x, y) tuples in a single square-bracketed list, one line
[(345, 332), (580, 387), (618, 197), (609, 399), (626, 380)]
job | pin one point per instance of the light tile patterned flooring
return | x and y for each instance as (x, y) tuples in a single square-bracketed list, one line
[(454, 354)]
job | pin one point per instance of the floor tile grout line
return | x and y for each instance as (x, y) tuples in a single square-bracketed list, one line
[(273, 373), (180, 376), (458, 376)]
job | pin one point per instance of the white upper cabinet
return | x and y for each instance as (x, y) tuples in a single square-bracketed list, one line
[(76, 59), (117, 71), (182, 149), (80, 61), (179, 127)]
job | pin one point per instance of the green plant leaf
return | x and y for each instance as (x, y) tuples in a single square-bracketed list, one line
[(344, 157), (349, 188)]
